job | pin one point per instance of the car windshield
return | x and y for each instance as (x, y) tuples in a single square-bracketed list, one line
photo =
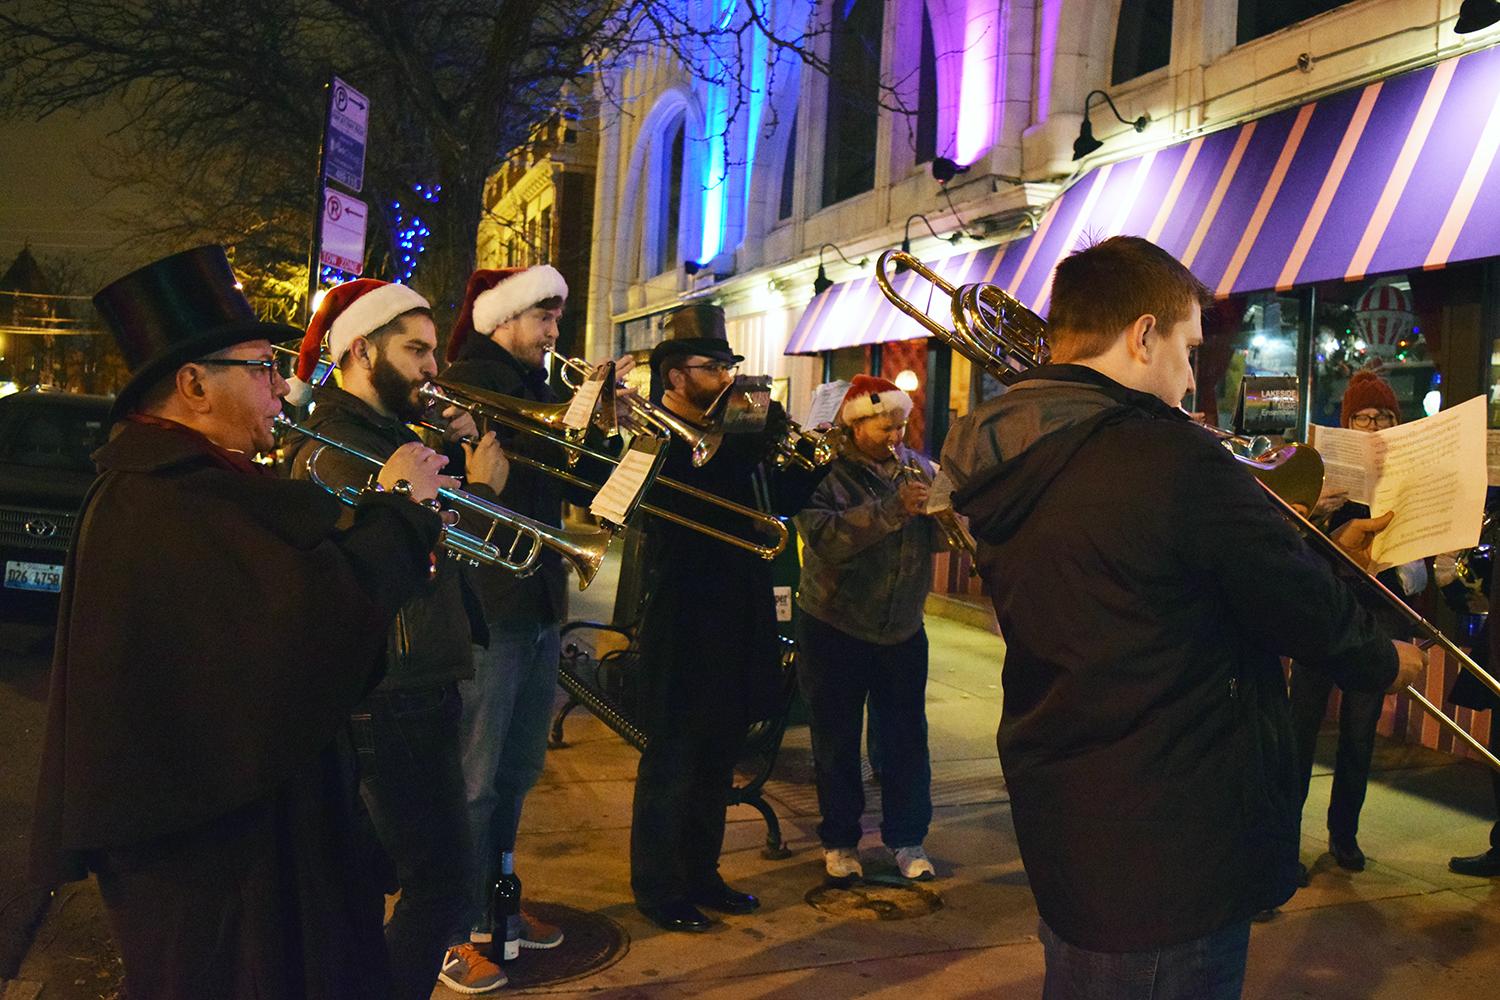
[(50, 437)]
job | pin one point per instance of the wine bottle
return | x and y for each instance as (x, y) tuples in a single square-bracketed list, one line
[(505, 907)]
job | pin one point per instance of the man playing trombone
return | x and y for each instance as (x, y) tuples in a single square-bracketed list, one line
[(215, 631), (1146, 588), (707, 638), (381, 337), (500, 343), (867, 568)]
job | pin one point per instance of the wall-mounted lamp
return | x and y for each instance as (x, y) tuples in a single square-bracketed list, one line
[(944, 170), (1086, 143), (1476, 15), (821, 283), (691, 267), (906, 236)]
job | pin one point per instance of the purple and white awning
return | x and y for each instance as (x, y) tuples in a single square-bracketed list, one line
[(1395, 175)]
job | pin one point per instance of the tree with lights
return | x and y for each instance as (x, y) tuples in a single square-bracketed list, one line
[(227, 107)]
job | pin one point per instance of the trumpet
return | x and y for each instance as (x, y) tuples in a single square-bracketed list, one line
[(648, 418), (512, 412), (583, 549), (958, 537), (1004, 338)]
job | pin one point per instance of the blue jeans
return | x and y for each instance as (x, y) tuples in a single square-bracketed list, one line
[(1211, 967), (507, 713), (413, 789), (837, 672)]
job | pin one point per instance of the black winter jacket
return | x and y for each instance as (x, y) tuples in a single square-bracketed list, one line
[(1146, 589), (431, 640)]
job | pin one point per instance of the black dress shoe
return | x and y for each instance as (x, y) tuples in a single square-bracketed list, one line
[(725, 899), (1486, 865), (676, 916), (1347, 854)]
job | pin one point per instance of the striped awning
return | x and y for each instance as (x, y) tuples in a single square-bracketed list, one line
[(1395, 175)]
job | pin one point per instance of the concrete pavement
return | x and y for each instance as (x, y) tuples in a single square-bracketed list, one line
[(1406, 927)]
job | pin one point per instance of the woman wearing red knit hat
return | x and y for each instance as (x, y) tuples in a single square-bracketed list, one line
[(1369, 404)]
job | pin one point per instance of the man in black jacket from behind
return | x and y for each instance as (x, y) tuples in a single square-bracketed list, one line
[(1146, 588)]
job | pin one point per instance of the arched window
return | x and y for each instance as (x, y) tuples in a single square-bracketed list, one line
[(1143, 38), (1261, 17), (788, 175), (853, 99), (927, 93), (670, 218)]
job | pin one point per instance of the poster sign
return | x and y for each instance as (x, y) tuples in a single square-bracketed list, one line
[(348, 125), (343, 245), (1268, 404)]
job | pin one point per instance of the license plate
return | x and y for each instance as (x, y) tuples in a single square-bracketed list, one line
[(33, 576)]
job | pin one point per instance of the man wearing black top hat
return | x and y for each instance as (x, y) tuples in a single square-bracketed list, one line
[(708, 640), (215, 630)]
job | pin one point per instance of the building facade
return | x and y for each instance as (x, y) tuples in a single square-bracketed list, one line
[(1327, 168)]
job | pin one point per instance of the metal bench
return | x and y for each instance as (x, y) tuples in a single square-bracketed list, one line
[(599, 669)]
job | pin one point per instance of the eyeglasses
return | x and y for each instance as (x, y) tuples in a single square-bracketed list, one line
[(1366, 420), (716, 367), (272, 369)]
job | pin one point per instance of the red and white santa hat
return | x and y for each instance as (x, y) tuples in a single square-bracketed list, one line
[(871, 396), (348, 311), (494, 296)]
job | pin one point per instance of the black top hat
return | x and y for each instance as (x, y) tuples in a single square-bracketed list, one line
[(175, 310)]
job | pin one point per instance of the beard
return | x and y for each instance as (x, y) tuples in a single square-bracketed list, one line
[(396, 391), (700, 396)]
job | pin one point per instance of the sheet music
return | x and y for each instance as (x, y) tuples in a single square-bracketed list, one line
[(616, 497), (1428, 472), (940, 496), (1346, 461), (1494, 458), (826, 401), (580, 411)]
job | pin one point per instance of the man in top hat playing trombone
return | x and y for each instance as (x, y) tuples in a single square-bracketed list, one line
[(708, 640), (216, 628), (381, 338)]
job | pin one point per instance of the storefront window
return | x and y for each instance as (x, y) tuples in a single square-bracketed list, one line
[(1421, 330)]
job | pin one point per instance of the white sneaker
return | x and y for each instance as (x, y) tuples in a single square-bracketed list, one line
[(914, 863), (842, 863)]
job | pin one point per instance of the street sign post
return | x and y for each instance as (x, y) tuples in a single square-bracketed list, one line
[(348, 126), (343, 232)]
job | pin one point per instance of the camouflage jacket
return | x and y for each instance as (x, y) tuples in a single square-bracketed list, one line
[(866, 565)]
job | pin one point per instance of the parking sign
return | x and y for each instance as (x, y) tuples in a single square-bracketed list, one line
[(348, 125)]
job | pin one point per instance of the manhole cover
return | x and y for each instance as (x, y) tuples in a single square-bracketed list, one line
[(875, 899), (591, 941)]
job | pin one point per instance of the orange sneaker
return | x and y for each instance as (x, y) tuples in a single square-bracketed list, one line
[(466, 969), (537, 933)]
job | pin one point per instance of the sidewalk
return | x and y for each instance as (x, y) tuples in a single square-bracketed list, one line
[(1403, 928)]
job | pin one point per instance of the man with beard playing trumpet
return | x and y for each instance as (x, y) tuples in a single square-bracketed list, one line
[(381, 337)]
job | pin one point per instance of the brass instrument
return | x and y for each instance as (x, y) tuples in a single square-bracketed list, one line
[(513, 412), (584, 549), (1004, 338), (647, 418), (820, 449), (954, 530)]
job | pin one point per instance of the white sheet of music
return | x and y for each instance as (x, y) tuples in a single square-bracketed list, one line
[(1347, 465), (1494, 458), (619, 491), (826, 400), (940, 496), (580, 412), (1431, 472)]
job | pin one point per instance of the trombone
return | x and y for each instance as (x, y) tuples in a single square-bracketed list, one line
[(1004, 338), (648, 418), (514, 413), (584, 549)]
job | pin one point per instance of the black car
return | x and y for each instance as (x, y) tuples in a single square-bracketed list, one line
[(46, 439)]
